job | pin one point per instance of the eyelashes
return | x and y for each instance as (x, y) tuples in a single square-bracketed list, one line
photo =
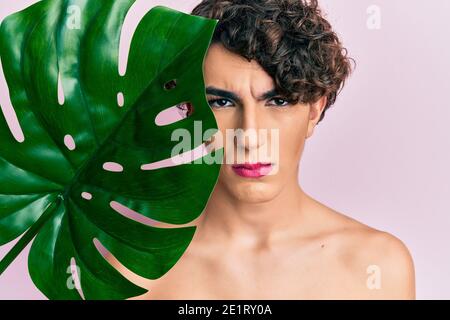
[(284, 104), (212, 101), (222, 102)]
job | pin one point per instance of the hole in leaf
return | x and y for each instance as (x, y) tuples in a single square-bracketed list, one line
[(120, 99), (119, 266), (185, 109), (172, 84), (61, 96), (174, 114), (113, 167), (206, 150), (179, 159), (69, 142), (138, 217), (8, 111), (86, 195), (74, 283)]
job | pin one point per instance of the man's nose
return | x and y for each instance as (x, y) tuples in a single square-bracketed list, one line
[(250, 123)]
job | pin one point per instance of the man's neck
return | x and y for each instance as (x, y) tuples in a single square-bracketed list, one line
[(253, 225)]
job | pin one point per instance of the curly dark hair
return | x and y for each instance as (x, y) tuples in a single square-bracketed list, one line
[(290, 39)]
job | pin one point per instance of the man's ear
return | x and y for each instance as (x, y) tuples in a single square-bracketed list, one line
[(315, 111)]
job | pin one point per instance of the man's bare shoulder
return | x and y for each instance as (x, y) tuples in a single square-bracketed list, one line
[(376, 256)]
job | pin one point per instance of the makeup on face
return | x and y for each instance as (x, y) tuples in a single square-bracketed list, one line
[(252, 170)]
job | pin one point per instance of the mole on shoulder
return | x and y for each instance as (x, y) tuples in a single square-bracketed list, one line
[(322, 246)]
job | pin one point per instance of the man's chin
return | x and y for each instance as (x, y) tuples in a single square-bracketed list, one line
[(253, 193)]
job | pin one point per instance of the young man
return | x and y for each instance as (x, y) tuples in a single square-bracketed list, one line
[(277, 64)]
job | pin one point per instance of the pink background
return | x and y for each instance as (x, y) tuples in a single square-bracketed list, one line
[(382, 153)]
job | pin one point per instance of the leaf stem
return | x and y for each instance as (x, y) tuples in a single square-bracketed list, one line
[(28, 236)]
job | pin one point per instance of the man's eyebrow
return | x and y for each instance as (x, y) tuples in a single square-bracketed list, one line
[(233, 96)]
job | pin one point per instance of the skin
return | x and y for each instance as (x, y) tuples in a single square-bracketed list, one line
[(266, 238)]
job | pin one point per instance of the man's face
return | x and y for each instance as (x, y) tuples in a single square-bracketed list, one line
[(239, 104)]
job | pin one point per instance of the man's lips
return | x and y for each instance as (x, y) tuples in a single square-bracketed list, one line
[(252, 166), (252, 170)]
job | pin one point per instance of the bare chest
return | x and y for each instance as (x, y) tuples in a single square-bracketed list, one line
[(288, 276)]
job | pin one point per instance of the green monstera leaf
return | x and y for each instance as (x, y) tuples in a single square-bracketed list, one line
[(82, 156)]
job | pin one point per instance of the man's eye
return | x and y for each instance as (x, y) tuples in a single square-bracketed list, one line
[(185, 109), (219, 103), (280, 102)]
